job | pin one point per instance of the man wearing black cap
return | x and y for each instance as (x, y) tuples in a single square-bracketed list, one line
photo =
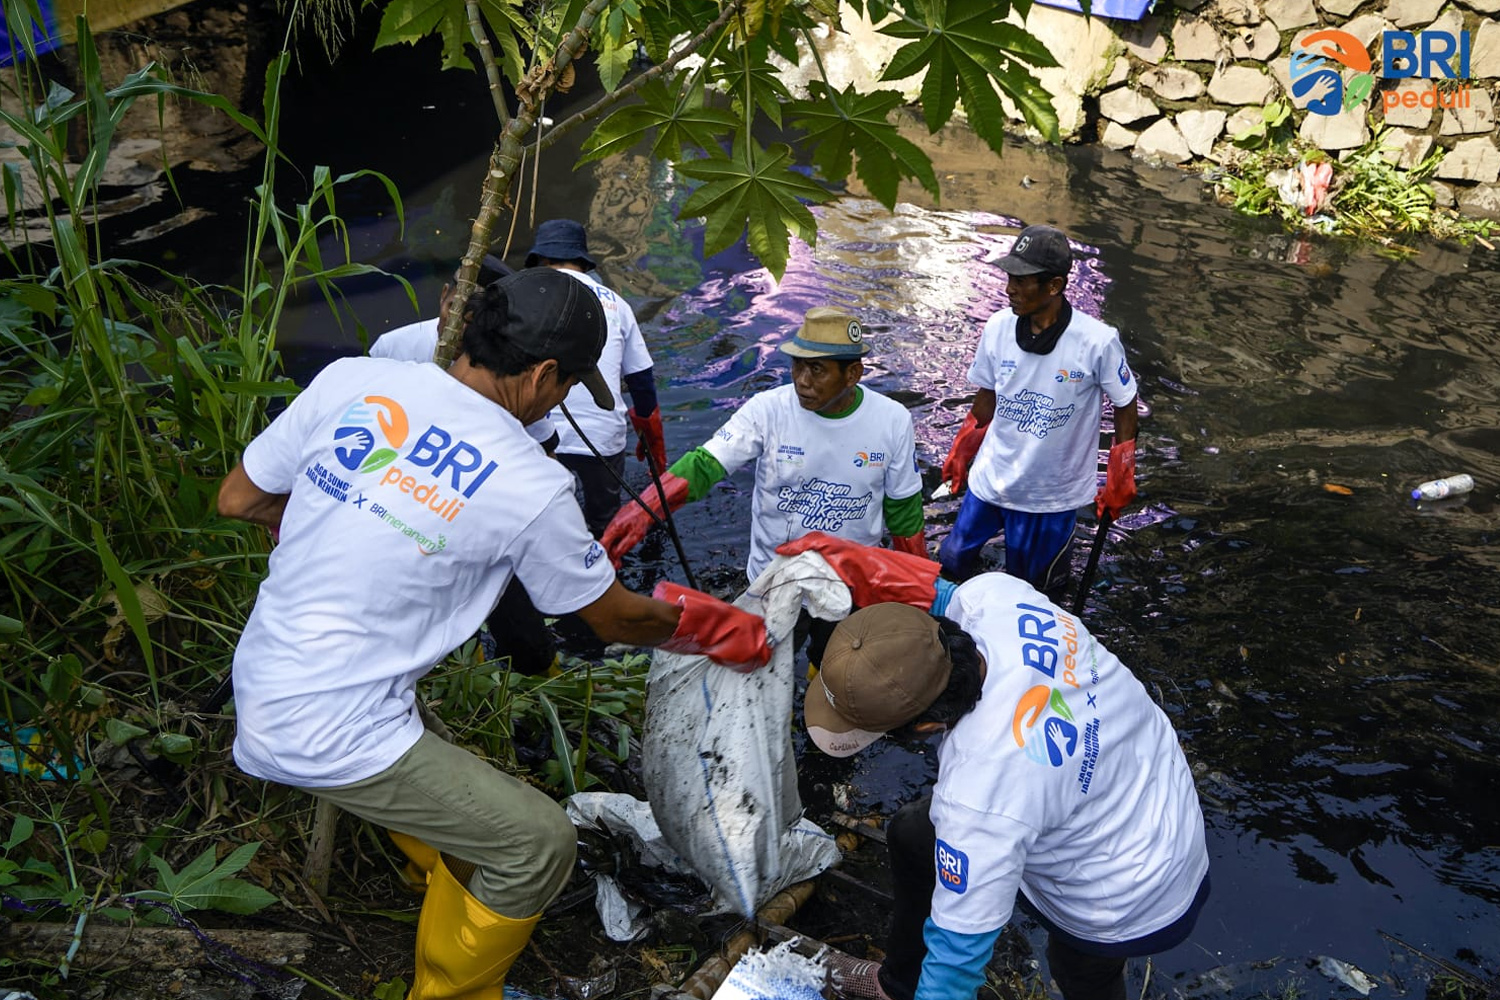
[(829, 454), (563, 244), (406, 498), (1061, 786), (1032, 433)]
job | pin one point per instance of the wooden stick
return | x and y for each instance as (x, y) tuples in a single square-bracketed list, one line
[(319, 861), (108, 946), (777, 910)]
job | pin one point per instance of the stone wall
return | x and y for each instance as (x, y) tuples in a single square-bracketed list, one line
[(1187, 79), (1177, 86)]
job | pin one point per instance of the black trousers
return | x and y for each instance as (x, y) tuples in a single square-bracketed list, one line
[(520, 632), (912, 842), (600, 485)]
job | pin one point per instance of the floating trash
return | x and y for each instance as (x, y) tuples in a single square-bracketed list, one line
[(1347, 974)]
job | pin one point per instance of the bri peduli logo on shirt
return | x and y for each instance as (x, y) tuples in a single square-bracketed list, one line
[(952, 867), (437, 471), (1043, 725), (1068, 375), (1332, 72), (874, 459)]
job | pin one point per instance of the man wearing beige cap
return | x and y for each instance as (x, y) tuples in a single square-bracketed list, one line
[(1061, 786), (830, 455)]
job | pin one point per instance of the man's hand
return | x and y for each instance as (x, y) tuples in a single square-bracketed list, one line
[(874, 576), (650, 435), (722, 632), (631, 522), (1119, 481), (965, 446)]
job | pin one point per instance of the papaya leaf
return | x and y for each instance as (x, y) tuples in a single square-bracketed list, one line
[(968, 50), (613, 60), (844, 124), (410, 21), (753, 191), (204, 885), (757, 78), (679, 121)]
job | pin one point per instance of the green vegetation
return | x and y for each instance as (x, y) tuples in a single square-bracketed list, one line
[(1369, 197)]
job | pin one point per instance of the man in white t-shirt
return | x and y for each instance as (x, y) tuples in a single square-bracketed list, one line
[(1032, 434), (829, 454), (563, 244), (406, 498), (1061, 786)]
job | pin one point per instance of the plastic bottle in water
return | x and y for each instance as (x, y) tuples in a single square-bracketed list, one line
[(1439, 488)]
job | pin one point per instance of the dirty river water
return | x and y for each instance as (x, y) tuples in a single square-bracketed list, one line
[(1325, 648)]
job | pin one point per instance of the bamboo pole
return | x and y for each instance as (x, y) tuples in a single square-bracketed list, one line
[(777, 910), (319, 861)]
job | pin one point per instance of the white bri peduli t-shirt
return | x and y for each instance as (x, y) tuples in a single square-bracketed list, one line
[(1042, 449), (816, 473), (1066, 782), (624, 354), (414, 499)]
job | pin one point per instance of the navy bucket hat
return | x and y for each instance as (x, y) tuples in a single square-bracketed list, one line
[(561, 239)]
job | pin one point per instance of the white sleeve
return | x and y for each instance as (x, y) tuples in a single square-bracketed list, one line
[(558, 561), (1113, 372), (901, 477), (273, 459), (541, 430), (741, 439), (636, 358), (982, 371), (979, 860)]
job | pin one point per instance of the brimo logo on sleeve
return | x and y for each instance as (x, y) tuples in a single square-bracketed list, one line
[(1320, 60)]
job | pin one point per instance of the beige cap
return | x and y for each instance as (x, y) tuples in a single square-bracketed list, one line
[(828, 333), (883, 666)]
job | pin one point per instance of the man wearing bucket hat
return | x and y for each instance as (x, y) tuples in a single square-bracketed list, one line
[(1061, 786), (563, 244), (407, 497), (830, 455), (1032, 434)]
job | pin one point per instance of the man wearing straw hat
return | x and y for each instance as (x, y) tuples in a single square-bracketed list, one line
[(830, 455), (1061, 787)]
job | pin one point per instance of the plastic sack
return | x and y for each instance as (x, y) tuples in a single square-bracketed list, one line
[(622, 815), (717, 754), (778, 974)]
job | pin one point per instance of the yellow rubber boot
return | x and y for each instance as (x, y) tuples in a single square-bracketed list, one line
[(464, 949), (420, 860)]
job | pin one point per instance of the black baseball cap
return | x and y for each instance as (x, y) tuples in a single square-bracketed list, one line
[(1039, 250), (549, 314)]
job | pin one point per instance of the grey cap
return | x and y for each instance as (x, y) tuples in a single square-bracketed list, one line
[(1039, 250)]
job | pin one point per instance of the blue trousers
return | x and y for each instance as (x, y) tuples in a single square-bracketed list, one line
[(1036, 545)]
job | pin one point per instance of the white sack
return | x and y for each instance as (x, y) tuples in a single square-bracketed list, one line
[(717, 753)]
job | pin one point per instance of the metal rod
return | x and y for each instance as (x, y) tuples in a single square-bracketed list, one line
[(667, 510), (1105, 520), (670, 525)]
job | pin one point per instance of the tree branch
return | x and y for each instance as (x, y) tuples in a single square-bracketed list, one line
[(610, 100), (530, 94), (487, 57)]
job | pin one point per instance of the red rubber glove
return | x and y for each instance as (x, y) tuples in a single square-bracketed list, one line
[(965, 446), (874, 576), (915, 545), (1119, 481), (649, 435), (631, 522), (722, 632)]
